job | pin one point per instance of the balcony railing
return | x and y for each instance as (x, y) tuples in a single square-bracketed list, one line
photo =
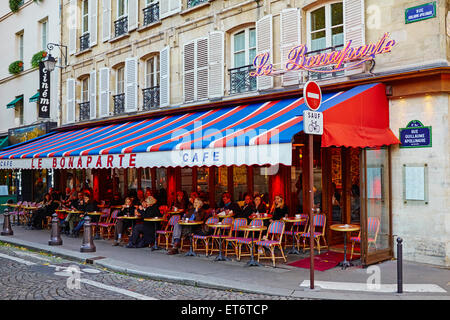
[(151, 14), (320, 75), (84, 42), (151, 98), (85, 111), (121, 26), (193, 3), (119, 103), (241, 81)]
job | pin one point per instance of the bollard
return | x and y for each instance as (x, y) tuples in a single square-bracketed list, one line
[(399, 266), (55, 237), (7, 231), (88, 241)]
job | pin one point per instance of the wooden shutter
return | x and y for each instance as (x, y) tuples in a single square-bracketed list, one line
[(104, 92), (131, 82), (164, 77), (189, 71), (93, 8), (70, 100), (106, 26), (175, 6), (73, 26), (263, 45), (354, 27), (93, 94), (290, 30), (216, 64), (133, 14), (202, 69), (164, 8)]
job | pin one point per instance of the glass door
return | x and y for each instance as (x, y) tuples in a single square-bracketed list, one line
[(376, 218)]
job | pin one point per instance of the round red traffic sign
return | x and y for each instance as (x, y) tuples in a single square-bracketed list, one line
[(312, 95)]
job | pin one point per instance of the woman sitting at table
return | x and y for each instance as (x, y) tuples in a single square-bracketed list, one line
[(194, 214), (88, 205), (122, 224), (260, 206), (148, 209), (180, 202), (279, 209), (46, 210)]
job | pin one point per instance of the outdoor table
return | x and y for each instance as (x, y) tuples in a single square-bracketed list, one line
[(175, 212), (227, 215), (96, 214), (345, 228), (293, 219), (116, 207), (220, 225), (155, 219), (133, 219), (191, 252), (252, 229), (261, 216)]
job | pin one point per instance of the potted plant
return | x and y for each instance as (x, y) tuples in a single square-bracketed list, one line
[(14, 5), (38, 58), (16, 67)]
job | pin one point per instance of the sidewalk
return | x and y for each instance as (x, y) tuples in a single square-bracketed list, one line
[(282, 280)]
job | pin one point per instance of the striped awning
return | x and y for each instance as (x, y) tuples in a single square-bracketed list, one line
[(259, 133)]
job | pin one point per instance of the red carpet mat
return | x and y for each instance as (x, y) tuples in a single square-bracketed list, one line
[(322, 262)]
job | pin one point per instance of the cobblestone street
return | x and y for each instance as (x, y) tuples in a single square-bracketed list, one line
[(28, 275)]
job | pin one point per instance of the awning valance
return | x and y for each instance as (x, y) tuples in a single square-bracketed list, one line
[(254, 134), (35, 97), (12, 104)]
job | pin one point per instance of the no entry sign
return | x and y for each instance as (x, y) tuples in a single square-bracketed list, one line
[(312, 95)]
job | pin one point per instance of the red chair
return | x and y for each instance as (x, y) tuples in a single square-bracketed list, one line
[(373, 227), (205, 239), (109, 224), (246, 240), (221, 233), (233, 235), (273, 240), (319, 222)]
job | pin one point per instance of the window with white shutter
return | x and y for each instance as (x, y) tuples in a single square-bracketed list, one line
[(70, 107), (131, 84), (354, 28), (164, 92), (104, 92), (196, 70), (216, 64), (290, 30), (73, 26), (106, 23), (93, 8), (189, 71), (93, 94), (169, 7), (264, 45), (133, 14), (202, 65)]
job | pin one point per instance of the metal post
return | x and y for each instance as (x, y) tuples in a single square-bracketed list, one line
[(310, 207), (88, 242), (55, 237), (7, 231), (399, 265)]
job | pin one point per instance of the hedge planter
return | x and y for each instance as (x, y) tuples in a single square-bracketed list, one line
[(15, 67), (14, 5), (38, 58)]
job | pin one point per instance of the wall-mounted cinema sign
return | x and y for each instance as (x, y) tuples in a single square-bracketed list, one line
[(298, 58)]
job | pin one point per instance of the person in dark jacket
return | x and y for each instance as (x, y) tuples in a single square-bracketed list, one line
[(229, 205), (247, 209), (46, 210), (148, 209), (180, 202), (88, 205), (123, 224), (279, 209), (259, 205)]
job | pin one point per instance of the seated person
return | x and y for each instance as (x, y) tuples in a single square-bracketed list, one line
[(148, 209), (46, 210), (75, 205), (260, 206), (116, 200), (228, 205), (279, 209), (194, 214), (180, 202), (140, 196), (123, 224), (247, 209), (88, 205)]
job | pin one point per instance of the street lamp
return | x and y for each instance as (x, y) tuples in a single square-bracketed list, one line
[(49, 63)]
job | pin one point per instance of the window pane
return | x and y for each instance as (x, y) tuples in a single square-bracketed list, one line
[(239, 59), (221, 183), (239, 41), (146, 180), (318, 40), (202, 183), (239, 182), (120, 88), (318, 19), (44, 35), (252, 40), (149, 75), (251, 55), (261, 183), (337, 36), (336, 14), (186, 180)]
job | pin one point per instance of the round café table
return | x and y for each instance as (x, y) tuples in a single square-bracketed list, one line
[(133, 219), (96, 214), (226, 215), (293, 220), (345, 228), (252, 229), (261, 216), (219, 226), (155, 219), (191, 252), (173, 212)]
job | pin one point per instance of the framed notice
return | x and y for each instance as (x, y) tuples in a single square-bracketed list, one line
[(375, 182), (415, 183)]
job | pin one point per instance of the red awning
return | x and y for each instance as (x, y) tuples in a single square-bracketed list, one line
[(360, 119)]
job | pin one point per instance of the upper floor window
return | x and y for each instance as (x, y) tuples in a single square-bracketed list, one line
[(152, 72), (44, 34), (244, 47), (84, 17), (85, 103), (151, 12), (120, 80), (20, 43), (193, 3), (121, 24), (85, 90), (326, 27), (122, 8)]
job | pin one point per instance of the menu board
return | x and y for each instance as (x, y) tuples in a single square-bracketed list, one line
[(414, 183)]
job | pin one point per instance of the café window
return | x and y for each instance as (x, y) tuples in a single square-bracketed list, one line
[(325, 26)]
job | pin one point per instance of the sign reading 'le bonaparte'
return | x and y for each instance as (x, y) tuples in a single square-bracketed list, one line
[(44, 91)]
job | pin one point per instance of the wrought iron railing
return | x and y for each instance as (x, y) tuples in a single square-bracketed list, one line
[(151, 98), (324, 75), (240, 79), (85, 111), (151, 14), (119, 103), (121, 26), (84, 42), (193, 3)]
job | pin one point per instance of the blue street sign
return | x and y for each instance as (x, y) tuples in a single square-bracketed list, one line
[(415, 135), (422, 12)]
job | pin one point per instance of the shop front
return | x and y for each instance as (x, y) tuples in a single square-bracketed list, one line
[(252, 148)]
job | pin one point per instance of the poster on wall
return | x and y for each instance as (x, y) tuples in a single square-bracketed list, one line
[(44, 91), (415, 182)]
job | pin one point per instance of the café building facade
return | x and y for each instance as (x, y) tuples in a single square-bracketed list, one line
[(219, 108)]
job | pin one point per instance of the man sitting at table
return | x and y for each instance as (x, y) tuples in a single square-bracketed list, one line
[(88, 205), (46, 210), (71, 218), (148, 209), (180, 202), (123, 224), (194, 214), (247, 209), (229, 205)]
